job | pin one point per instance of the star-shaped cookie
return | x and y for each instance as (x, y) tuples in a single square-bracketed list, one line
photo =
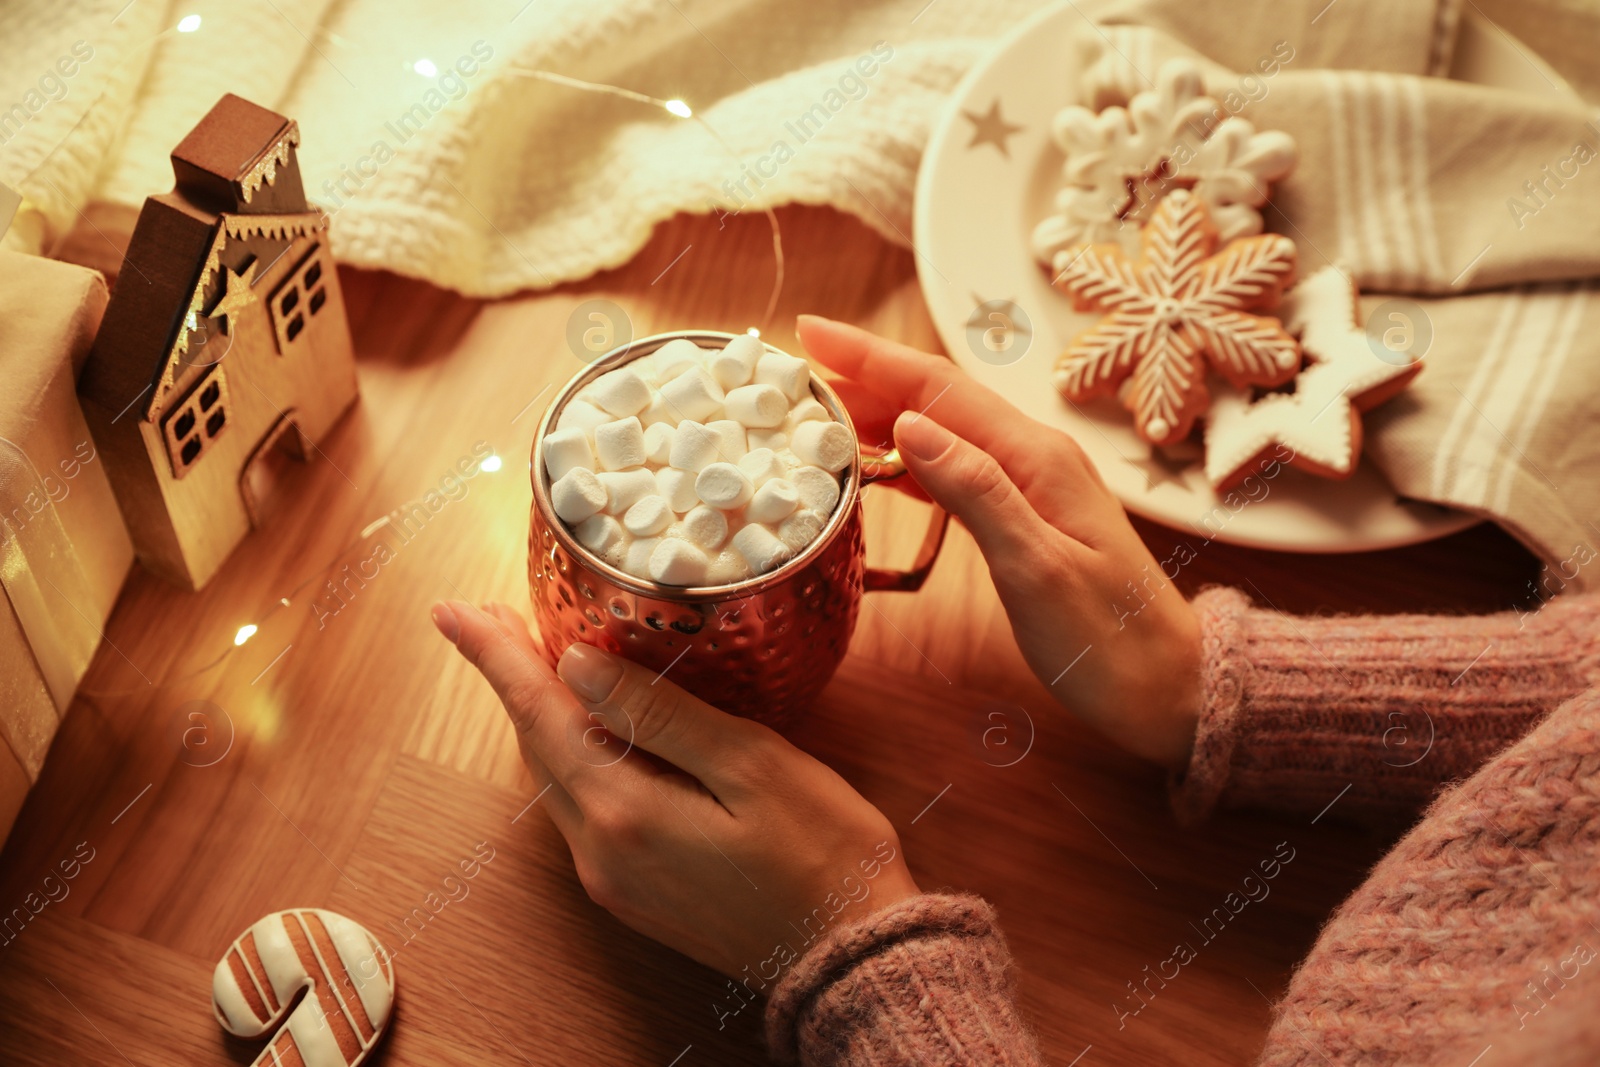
[(1320, 422), (1168, 316)]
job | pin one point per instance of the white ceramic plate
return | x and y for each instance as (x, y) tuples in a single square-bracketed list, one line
[(974, 210)]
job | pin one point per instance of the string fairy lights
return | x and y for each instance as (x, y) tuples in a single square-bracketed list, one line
[(679, 109)]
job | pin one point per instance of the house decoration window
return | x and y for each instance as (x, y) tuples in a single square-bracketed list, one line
[(299, 298), (192, 426)]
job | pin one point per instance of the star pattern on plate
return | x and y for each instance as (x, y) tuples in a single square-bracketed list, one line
[(991, 129), (236, 297)]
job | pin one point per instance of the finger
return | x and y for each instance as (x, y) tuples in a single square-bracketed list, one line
[(968, 483), (551, 725), (916, 381), (872, 414), (657, 716), (1047, 465)]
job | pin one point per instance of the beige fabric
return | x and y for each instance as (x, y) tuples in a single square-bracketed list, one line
[(1411, 181)]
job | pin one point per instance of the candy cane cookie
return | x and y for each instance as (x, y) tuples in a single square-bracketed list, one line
[(346, 972)]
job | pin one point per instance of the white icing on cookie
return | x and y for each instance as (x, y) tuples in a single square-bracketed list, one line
[(346, 972), (1319, 421), (1168, 137)]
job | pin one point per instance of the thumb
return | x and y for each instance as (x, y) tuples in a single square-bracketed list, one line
[(643, 708), (971, 485)]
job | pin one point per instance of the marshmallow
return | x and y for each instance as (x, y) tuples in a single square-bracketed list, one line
[(599, 534), (800, 529), (620, 444), (566, 449), (761, 406), (760, 548), (823, 444), (706, 528), (693, 446), (648, 515), (731, 445), (760, 465), (626, 488), (713, 466), (736, 364), (694, 394), (636, 559), (675, 357), (677, 488), (818, 490), (621, 392), (722, 485), (659, 412), (769, 439), (577, 494), (808, 410), (582, 415), (677, 562), (773, 501), (658, 443), (789, 373), (727, 568)]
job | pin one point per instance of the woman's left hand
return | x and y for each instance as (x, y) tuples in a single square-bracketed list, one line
[(707, 832)]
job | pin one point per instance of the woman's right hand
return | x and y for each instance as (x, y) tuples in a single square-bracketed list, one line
[(1098, 622)]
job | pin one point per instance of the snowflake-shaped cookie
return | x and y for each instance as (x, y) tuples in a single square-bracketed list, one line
[(1122, 161), (1320, 422), (1174, 311)]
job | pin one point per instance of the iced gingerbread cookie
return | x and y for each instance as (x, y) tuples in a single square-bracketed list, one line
[(346, 974), (1183, 306), (1121, 162), (1320, 422)]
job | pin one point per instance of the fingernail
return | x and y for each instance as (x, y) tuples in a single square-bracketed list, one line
[(445, 619), (591, 673), (921, 436)]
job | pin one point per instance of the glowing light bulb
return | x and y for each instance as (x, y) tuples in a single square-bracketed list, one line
[(753, 332), (679, 108), (425, 68), (189, 23), (246, 632), (490, 464)]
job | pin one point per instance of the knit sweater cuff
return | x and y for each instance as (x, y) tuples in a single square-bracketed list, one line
[(924, 982), (1374, 712)]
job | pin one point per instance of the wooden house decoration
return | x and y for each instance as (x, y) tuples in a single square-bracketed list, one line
[(224, 355)]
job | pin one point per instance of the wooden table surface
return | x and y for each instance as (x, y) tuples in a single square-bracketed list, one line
[(345, 757)]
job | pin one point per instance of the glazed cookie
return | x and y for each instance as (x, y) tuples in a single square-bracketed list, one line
[(1181, 307), (345, 971), (1320, 422), (1120, 162)]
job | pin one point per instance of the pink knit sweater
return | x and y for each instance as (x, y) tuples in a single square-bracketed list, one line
[(1464, 939)]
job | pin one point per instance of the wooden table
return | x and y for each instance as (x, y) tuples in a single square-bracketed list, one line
[(346, 757)]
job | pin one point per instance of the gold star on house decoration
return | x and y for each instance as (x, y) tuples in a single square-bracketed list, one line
[(236, 297), (1168, 316), (990, 128)]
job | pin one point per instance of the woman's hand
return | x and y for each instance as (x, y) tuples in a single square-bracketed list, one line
[(1069, 567), (707, 832)]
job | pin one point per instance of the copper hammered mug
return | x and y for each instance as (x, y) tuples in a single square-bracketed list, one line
[(764, 647)]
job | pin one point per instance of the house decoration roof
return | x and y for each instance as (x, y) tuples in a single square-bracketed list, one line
[(280, 227), (236, 177)]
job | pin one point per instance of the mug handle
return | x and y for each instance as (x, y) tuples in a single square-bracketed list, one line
[(881, 467)]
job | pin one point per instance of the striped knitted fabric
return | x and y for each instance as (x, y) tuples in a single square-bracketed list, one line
[(1475, 941), (925, 983), (1376, 711)]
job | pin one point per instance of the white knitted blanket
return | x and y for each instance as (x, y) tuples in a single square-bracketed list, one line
[(442, 159)]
